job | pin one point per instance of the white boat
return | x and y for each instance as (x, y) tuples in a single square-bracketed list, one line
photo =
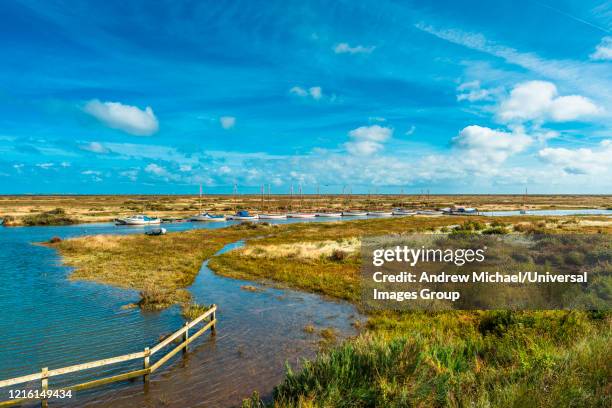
[(139, 219), (207, 217), (244, 216), (272, 216), (429, 212), (354, 213), (329, 214), (301, 215), (380, 214), (460, 211), (402, 212), (156, 231)]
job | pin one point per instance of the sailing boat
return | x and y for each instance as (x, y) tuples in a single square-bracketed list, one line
[(353, 213), (524, 209), (269, 216), (377, 213), (301, 214), (205, 216), (328, 214)]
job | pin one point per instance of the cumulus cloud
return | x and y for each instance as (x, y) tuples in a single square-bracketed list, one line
[(367, 140), (227, 122), (127, 118), (485, 144), (315, 92), (580, 161), (603, 51), (345, 48), (472, 92), (95, 147), (538, 101), (132, 175), (156, 169)]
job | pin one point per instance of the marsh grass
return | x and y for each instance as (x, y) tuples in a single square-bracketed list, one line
[(191, 311), (159, 268), (56, 216)]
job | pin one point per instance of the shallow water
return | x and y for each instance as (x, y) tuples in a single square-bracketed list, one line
[(50, 321)]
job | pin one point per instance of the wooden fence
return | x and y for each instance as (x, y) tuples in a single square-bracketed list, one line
[(145, 355)]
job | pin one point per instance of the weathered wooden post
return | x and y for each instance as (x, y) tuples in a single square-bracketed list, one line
[(186, 337), (213, 317), (146, 363), (44, 403)]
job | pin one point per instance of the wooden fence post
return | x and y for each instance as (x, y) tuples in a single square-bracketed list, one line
[(146, 363), (213, 317), (44, 403), (186, 336)]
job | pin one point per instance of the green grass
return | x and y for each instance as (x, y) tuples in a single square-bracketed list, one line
[(57, 216), (541, 359), (160, 267)]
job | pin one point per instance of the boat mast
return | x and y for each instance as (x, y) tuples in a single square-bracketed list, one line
[(291, 198), (235, 193), (200, 198)]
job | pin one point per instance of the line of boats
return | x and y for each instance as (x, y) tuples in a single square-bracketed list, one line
[(244, 215)]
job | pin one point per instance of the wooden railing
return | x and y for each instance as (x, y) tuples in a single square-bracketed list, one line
[(145, 355)]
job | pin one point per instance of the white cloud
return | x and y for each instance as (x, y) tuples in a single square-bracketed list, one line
[(590, 79), (299, 91), (95, 147), (603, 51), (91, 173), (367, 140), (45, 165), (538, 100), (185, 168), (18, 167), (580, 161), (472, 92), (410, 131), (130, 119), (156, 169), (227, 122), (315, 92), (130, 174), (485, 144), (65, 164), (224, 170), (345, 48)]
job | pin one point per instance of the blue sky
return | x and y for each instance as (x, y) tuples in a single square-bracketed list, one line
[(158, 97)]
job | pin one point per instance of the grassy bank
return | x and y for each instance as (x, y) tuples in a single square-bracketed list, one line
[(160, 267)]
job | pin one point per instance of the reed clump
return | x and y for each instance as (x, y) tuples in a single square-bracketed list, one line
[(56, 216)]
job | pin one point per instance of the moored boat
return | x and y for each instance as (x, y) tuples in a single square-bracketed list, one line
[(354, 213), (460, 211), (156, 231), (402, 212), (243, 216), (380, 213), (329, 214), (272, 216), (429, 212), (139, 219), (208, 217), (301, 215)]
